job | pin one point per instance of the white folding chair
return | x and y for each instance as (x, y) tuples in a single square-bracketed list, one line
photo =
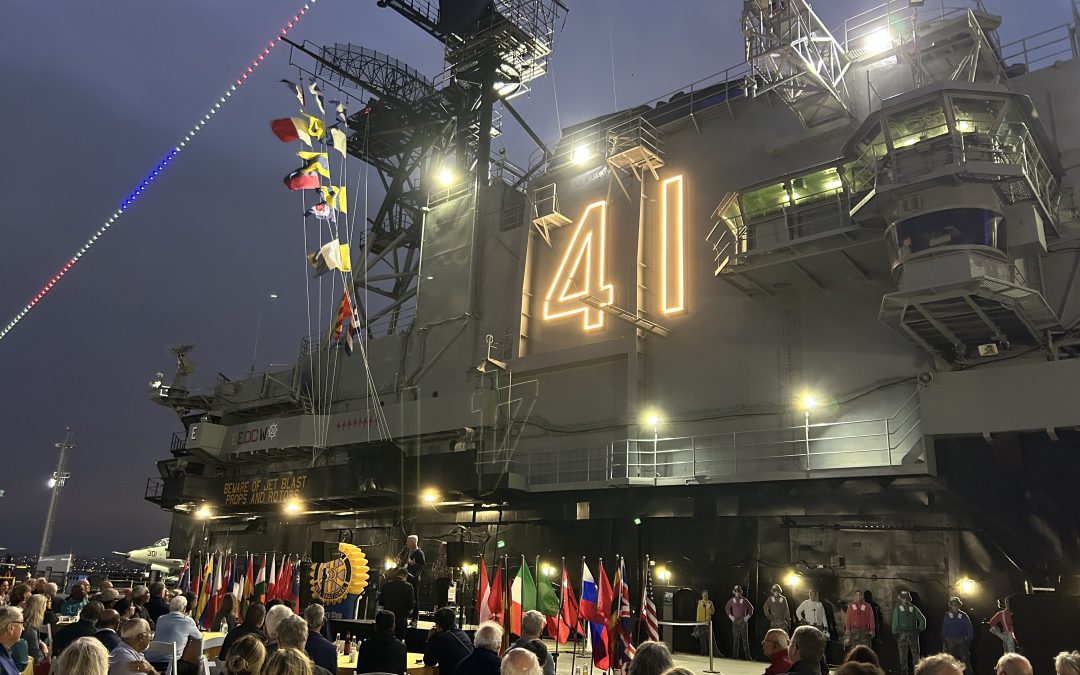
[(165, 649)]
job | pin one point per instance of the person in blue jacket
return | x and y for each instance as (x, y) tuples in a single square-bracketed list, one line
[(956, 633)]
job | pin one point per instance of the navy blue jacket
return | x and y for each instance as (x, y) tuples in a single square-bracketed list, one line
[(480, 662), (109, 638), (446, 649), (322, 651)]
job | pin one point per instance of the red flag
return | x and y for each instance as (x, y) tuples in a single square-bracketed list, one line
[(495, 597), (600, 632), (284, 580), (561, 626), (483, 589), (290, 129)]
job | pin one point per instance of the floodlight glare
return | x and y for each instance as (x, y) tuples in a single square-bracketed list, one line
[(653, 420), (389, 564), (292, 507), (877, 42), (966, 586), (203, 512), (581, 154), (793, 580), (445, 176), (51, 483), (430, 496), (808, 401), (663, 574)]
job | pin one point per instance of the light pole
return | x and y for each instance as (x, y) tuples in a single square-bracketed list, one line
[(56, 482), (808, 402), (654, 421)]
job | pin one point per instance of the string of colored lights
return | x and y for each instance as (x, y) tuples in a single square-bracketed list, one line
[(159, 169)]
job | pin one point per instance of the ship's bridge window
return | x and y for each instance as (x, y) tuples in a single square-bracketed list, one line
[(765, 201), (908, 127), (954, 227), (819, 185), (983, 116)]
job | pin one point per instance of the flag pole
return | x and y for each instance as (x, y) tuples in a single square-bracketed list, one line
[(644, 592), (573, 659), (558, 621)]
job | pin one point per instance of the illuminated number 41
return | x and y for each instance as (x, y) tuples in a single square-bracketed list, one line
[(582, 274)]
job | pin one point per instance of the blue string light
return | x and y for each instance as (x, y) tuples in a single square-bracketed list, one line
[(157, 171)]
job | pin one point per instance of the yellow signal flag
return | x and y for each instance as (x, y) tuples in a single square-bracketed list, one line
[(346, 266), (315, 126), (336, 196)]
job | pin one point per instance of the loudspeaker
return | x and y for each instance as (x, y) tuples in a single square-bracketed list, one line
[(324, 551), (461, 553)]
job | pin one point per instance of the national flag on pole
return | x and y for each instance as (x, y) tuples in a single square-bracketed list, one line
[(258, 590), (271, 579), (567, 621), (648, 608), (196, 578), (600, 633), (547, 602), (184, 584), (237, 588), (522, 596), (622, 622), (495, 597), (483, 591), (206, 583), (226, 583), (284, 581), (588, 595)]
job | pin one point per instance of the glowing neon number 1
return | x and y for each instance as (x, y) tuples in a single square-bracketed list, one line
[(581, 272), (672, 248)]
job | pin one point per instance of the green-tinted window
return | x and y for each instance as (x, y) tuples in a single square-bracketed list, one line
[(765, 200), (908, 127)]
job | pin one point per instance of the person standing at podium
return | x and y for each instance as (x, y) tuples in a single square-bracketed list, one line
[(414, 561)]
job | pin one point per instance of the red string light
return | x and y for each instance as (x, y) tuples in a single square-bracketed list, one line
[(157, 171)]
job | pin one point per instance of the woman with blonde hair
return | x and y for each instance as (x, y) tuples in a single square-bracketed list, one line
[(246, 656), (287, 661), (85, 656), (34, 626)]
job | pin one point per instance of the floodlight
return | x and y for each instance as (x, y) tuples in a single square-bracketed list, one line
[(877, 42), (581, 154)]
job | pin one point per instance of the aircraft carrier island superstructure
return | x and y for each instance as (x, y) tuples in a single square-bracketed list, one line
[(812, 316)]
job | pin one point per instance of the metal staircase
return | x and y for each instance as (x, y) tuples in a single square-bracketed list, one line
[(791, 52)]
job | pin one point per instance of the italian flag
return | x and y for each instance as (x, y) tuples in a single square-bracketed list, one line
[(522, 596), (258, 591)]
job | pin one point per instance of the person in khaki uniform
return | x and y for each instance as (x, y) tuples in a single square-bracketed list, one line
[(705, 611), (907, 623), (776, 609)]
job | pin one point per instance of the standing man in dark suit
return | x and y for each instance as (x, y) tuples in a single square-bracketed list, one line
[(108, 624), (398, 596), (382, 652), (414, 560)]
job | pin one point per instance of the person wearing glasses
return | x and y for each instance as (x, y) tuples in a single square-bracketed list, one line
[(11, 628), (775, 647), (128, 655)]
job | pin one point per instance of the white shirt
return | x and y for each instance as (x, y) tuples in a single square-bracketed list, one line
[(121, 657), (812, 612)]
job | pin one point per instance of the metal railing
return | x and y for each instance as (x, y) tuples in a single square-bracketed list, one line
[(898, 17), (798, 451), (178, 441), (1043, 49), (155, 489)]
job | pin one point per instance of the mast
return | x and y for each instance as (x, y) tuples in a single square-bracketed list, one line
[(56, 483)]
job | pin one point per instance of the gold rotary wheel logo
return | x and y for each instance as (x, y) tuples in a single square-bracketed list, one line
[(333, 582)]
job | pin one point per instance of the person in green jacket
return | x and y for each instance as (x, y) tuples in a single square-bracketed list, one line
[(907, 623)]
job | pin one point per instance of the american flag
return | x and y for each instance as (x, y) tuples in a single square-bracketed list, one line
[(648, 609), (622, 620)]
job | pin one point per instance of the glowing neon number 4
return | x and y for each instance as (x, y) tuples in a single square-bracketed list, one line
[(581, 272)]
